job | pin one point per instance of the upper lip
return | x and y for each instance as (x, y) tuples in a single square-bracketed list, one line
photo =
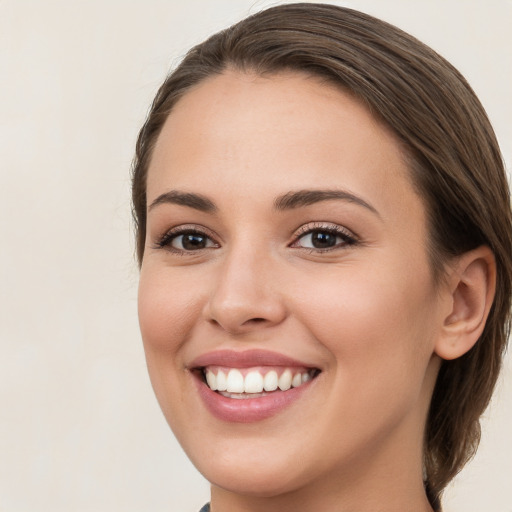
[(246, 359)]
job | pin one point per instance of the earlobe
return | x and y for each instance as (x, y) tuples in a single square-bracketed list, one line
[(472, 283)]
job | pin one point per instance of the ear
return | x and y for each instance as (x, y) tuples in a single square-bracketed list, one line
[(472, 284)]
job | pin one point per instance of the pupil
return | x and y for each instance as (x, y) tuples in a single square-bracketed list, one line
[(322, 240), (194, 241)]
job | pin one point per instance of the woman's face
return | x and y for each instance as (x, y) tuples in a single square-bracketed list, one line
[(286, 247)]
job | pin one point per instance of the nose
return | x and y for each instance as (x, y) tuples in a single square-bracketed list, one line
[(245, 294)]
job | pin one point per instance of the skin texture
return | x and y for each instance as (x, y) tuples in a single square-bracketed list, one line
[(367, 314)]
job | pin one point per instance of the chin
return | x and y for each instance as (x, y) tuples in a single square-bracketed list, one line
[(260, 470), (265, 482)]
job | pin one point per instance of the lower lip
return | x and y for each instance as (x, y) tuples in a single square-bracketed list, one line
[(248, 410)]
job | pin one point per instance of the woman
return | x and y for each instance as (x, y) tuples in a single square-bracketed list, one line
[(324, 234)]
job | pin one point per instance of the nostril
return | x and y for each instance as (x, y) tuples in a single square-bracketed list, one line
[(255, 321), (247, 323)]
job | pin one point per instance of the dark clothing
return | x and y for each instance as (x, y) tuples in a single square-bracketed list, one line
[(206, 508)]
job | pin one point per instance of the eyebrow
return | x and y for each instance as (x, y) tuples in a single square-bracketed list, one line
[(302, 198), (196, 201), (288, 201)]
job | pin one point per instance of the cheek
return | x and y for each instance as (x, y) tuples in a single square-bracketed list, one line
[(167, 309), (378, 324), (379, 334)]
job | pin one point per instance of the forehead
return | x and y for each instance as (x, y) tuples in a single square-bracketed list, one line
[(254, 134)]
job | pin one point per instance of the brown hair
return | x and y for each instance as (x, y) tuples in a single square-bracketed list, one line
[(454, 157)]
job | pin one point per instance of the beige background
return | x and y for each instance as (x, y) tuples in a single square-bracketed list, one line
[(80, 429)]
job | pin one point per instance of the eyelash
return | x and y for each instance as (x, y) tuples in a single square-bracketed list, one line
[(167, 239), (347, 237)]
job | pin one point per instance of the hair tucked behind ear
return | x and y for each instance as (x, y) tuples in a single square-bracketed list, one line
[(454, 159)]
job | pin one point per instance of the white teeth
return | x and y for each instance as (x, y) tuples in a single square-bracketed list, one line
[(242, 396), (270, 381), (285, 381), (222, 382), (253, 382), (235, 382), (211, 379)]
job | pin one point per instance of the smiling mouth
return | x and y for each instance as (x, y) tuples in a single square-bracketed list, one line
[(257, 382)]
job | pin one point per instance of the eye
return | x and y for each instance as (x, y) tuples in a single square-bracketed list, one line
[(323, 238), (191, 242), (186, 240), (319, 240)]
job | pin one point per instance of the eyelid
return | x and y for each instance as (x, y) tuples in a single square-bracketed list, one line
[(164, 241), (348, 236)]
